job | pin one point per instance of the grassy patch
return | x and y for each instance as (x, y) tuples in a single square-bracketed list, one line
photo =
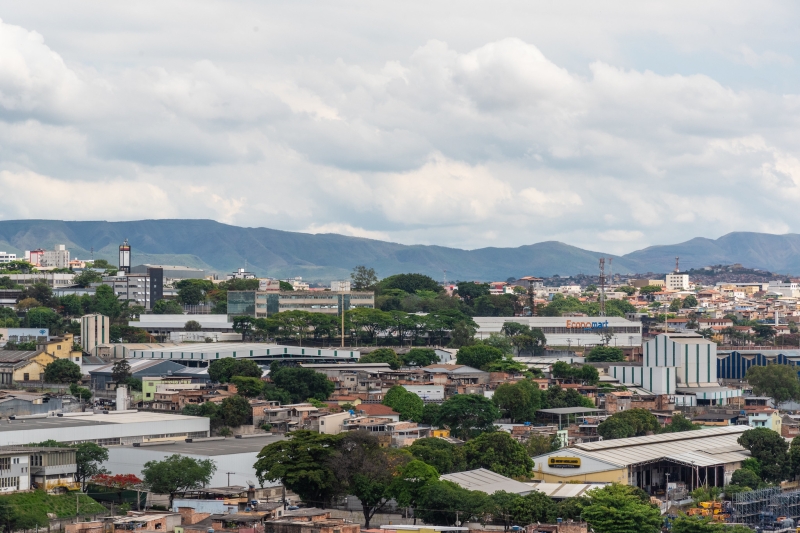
[(37, 504)]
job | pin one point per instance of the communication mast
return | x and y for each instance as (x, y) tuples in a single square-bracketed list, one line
[(677, 269), (602, 286)]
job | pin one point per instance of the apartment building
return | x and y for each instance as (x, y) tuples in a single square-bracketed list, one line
[(6, 257), (139, 289), (677, 282), (95, 330)]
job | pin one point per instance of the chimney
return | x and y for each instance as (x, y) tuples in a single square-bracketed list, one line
[(122, 397)]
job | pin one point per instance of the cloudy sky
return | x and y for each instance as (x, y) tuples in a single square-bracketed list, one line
[(465, 124)]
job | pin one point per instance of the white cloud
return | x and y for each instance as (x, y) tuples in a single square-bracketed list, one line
[(502, 126)]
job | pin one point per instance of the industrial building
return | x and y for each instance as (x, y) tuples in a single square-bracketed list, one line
[(102, 376), (160, 326), (171, 272), (688, 459), (570, 331), (110, 429), (261, 304), (234, 455), (199, 355), (734, 364), (679, 364)]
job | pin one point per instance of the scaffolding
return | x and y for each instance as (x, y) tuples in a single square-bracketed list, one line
[(748, 507), (787, 504)]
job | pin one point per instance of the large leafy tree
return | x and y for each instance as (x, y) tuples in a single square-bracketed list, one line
[(409, 283), (600, 354), (443, 456), (534, 507), (62, 371), (177, 473), (234, 411), (518, 401), (301, 383), (248, 387), (420, 357), (478, 355), (680, 423), (441, 503), (629, 423), (620, 509), (222, 370), (408, 404), (167, 307), (468, 415), (382, 355), (302, 464), (771, 451), (410, 479), (120, 371), (556, 397), (499, 452), (366, 470), (778, 381), (89, 458)]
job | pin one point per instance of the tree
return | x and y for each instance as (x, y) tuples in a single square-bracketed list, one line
[(243, 324), (222, 370), (499, 452), (363, 278), (191, 293), (409, 283), (680, 423), (690, 301), (177, 473), (441, 503), (62, 371), (540, 444), (627, 289), (463, 334), (234, 411), (533, 342), (89, 458), (382, 355), (411, 478), (675, 305), (770, 449), (620, 509), (87, 277), (408, 404), (192, 325), (468, 415), (777, 381), (248, 387), (478, 355), (81, 393), (106, 303), (420, 357), (650, 289), (469, 291), (634, 422), (301, 383), (602, 354), (534, 507), (167, 307), (42, 317), (746, 478), (366, 470), (301, 463), (697, 524), (120, 371), (518, 401), (440, 454), (556, 397)]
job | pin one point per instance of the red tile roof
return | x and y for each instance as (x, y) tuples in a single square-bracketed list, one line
[(377, 409)]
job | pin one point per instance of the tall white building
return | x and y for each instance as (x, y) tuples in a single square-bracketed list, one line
[(6, 257), (677, 282), (58, 258), (94, 332)]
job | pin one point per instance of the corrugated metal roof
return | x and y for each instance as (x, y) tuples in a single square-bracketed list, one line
[(706, 459), (486, 481), (634, 450), (565, 490)]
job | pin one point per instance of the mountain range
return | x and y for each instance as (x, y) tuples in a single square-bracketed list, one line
[(222, 248)]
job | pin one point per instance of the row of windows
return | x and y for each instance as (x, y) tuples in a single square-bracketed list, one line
[(9, 482), (576, 331)]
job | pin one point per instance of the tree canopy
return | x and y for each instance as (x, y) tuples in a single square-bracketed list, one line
[(771, 451), (478, 355), (602, 354), (499, 452), (62, 371), (468, 415), (777, 381), (382, 355), (518, 401), (443, 456), (222, 370), (408, 404), (177, 473), (620, 509), (629, 423), (301, 383)]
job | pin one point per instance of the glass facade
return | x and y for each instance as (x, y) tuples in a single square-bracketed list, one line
[(241, 303)]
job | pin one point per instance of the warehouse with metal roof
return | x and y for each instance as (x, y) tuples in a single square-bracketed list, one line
[(693, 458)]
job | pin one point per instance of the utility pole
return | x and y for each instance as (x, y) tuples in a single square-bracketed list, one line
[(341, 309), (229, 477)]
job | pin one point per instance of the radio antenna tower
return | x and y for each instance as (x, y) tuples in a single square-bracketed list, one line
[(602, 286), (610, 270), (445, 279), (677, 269)]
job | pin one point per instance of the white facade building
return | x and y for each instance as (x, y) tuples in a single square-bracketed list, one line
[(7, 257), (789, 290), (677, 282), (428, 393), (680, 364), (569, 331)]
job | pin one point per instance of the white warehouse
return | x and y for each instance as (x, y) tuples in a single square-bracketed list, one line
[(569, 331)]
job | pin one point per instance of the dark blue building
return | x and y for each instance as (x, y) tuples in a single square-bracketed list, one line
[(734, 364)]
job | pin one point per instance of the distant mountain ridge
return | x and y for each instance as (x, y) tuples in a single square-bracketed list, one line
[(218, 247)]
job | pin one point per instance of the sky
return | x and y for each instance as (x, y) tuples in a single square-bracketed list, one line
[(606, 125)]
